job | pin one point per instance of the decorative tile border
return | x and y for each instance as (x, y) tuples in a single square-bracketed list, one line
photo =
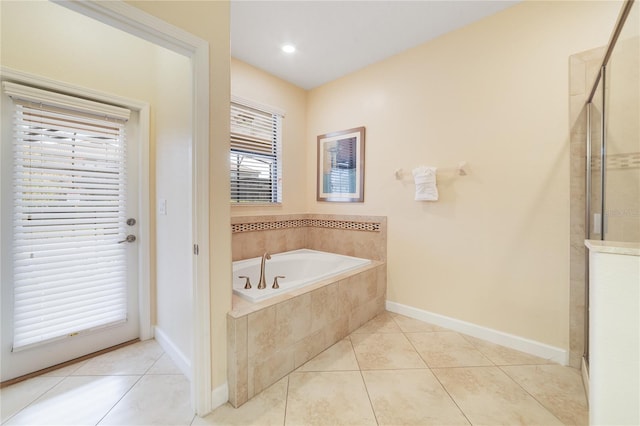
[(302, 223), (629, 160), (268, 226), (344, 224)]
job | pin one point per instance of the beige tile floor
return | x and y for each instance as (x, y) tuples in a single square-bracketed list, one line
[(392, 371)]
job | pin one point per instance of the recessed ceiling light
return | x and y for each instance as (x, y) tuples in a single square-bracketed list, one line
[(288, 48)]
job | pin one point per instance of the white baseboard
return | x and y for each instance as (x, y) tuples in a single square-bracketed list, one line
[(522, 344), (176, 355), (219, 396)]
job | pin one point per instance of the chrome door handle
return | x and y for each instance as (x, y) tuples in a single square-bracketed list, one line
[(130, 238)]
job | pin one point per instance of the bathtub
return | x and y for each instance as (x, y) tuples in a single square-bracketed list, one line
[(299, 267)]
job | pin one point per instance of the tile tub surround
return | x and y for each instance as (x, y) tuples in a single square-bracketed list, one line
[(359, 236), (268, 340)]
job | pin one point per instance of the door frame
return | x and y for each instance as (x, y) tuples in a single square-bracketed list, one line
[(139, 23), (142, 109)]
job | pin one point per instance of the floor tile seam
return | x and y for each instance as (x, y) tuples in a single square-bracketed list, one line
[(377, 332), (194, 418), (457, 367), (366, 389), (451, 397), (286, 400), (513, 379), (37, 397), (496, 363), (397, 369), (393, 318), (324, 371), (155, 361), (426, 367), (417, 351), (163, 374), (467, 337), (120, 399), (106, 375), (479, 349), (476, 348), (355, 355), (525, 365)]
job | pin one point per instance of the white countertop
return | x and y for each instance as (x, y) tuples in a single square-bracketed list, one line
[(614, 247)]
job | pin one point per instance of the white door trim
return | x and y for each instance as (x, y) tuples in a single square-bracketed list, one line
[(134, 21), (142, 108)]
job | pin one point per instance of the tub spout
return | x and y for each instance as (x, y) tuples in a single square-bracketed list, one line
[(262, 283)]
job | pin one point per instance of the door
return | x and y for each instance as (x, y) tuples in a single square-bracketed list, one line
[(69, 221)]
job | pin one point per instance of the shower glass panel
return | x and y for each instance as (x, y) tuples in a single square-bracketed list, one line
[(622, 126), (612, 210)]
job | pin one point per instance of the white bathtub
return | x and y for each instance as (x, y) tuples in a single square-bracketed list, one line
[(299, 267)]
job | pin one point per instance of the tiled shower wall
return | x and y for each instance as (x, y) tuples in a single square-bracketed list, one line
[(360, 236), (583, 68)]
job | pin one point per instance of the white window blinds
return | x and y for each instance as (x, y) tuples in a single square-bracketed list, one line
[(255, 157), (69, 200)]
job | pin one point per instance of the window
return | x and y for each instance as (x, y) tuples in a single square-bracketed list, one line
[(68, 215), (255, 157)]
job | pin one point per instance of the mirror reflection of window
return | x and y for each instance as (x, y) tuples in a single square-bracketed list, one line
[(340, 166)]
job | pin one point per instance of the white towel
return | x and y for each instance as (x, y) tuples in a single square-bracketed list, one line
[(425, 179)]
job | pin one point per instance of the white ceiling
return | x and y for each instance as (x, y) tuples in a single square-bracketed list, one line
[(335, 38)]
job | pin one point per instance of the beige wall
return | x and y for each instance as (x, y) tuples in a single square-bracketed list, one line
[(51, 47), (494, 249), (209, 20), (251, 83)]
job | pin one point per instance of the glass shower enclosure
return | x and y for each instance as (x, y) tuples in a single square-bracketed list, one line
[(612, 210)]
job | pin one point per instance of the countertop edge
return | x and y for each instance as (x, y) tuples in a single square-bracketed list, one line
[(613, 247)]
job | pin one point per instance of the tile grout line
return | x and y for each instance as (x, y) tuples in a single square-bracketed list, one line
[(132, 386), (451, 397), (72, 375), (493, 363), (366, 389), (286, 400), (528, 393), (118, 401), (34, 399), (435, 375), (364, 382)]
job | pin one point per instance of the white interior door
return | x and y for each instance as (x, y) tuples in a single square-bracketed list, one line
[(69, 228)]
